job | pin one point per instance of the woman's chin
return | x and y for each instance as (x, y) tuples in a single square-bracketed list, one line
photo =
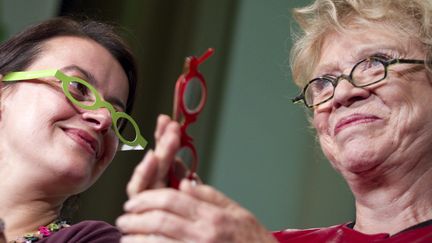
[(76, 176), (358, 162), (361, 167)]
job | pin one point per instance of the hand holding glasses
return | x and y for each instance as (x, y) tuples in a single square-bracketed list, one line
[(189, 98)]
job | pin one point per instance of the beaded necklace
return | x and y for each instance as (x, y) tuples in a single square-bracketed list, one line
[(43, 232)]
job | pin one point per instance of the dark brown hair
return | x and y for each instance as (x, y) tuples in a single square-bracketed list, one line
[(22, 49)]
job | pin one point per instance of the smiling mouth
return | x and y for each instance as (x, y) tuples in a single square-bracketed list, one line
[(354, 120), (82, 138)]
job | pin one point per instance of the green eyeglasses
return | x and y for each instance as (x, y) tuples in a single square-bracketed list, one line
[(85, 96)]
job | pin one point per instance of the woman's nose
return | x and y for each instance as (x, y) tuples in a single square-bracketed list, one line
[(100, 119), (346, 93)]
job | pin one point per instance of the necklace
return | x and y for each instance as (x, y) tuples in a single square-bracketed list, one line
[(43, 232)]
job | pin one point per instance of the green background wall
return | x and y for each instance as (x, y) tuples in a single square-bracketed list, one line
[(254, 145)]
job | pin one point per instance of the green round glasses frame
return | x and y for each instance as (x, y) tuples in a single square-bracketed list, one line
[(138, 143)]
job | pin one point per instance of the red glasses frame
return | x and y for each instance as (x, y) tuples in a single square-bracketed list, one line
[(186, 116)]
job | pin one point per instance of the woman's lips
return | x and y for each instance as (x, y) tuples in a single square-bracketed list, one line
[(353, 120), (84, 139)]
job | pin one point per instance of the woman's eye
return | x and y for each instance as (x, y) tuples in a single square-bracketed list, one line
[(318, 88), (372, 62), (321, 84), (79, 90)]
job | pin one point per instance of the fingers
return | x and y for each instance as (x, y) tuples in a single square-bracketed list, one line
[(164, 212), (167, 147), (168, 200), (146, 238), (169, 213), (192, 202), (153, 169), (143, 174), (162, 122), (205, 193), (153, 222), (192, 214), (185, 202)]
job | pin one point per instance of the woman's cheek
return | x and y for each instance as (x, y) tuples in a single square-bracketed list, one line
[(111, 145), (110, 149), (321, 124), (328, 148)]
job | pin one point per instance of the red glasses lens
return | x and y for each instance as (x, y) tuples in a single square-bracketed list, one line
[(193, 96), (184, 163)]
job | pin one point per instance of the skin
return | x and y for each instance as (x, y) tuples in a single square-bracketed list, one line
[(42, 149), (379, 137), (200, 213)]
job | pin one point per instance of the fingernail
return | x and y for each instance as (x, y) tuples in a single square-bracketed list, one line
[(129, 205), (119, 222), (186, 184)]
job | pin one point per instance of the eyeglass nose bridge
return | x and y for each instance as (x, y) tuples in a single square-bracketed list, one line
[(335, 82), (338, 79)]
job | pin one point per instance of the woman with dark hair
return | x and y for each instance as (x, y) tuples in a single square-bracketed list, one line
[(66, 91)]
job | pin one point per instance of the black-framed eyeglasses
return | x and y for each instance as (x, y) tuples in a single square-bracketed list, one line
[(366, 72)]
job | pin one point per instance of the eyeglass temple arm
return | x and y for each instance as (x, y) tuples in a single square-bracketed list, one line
[(206, 55), (297, 98), (26, 75)]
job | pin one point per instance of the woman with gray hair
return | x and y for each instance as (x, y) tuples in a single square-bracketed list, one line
[(364, 67)]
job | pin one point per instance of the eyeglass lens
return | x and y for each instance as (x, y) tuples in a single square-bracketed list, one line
[(83, 94), (366, 72), (193, 97), (185, 162)]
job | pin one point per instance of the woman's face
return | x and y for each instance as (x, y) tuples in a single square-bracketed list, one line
[(41, 131), (380, 127)]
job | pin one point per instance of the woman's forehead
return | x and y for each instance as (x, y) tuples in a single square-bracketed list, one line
[(107, 75), (349, 46)]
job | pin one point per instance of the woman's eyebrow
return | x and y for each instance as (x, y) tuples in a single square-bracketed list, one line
[(87, 75), (92, 80)]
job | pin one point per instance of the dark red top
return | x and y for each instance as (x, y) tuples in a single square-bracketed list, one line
[(344, 233), (85, 232)]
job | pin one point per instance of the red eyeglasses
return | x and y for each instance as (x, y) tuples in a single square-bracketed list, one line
[(189, 99)]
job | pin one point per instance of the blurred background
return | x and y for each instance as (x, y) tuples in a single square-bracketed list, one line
[(254, 144)]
